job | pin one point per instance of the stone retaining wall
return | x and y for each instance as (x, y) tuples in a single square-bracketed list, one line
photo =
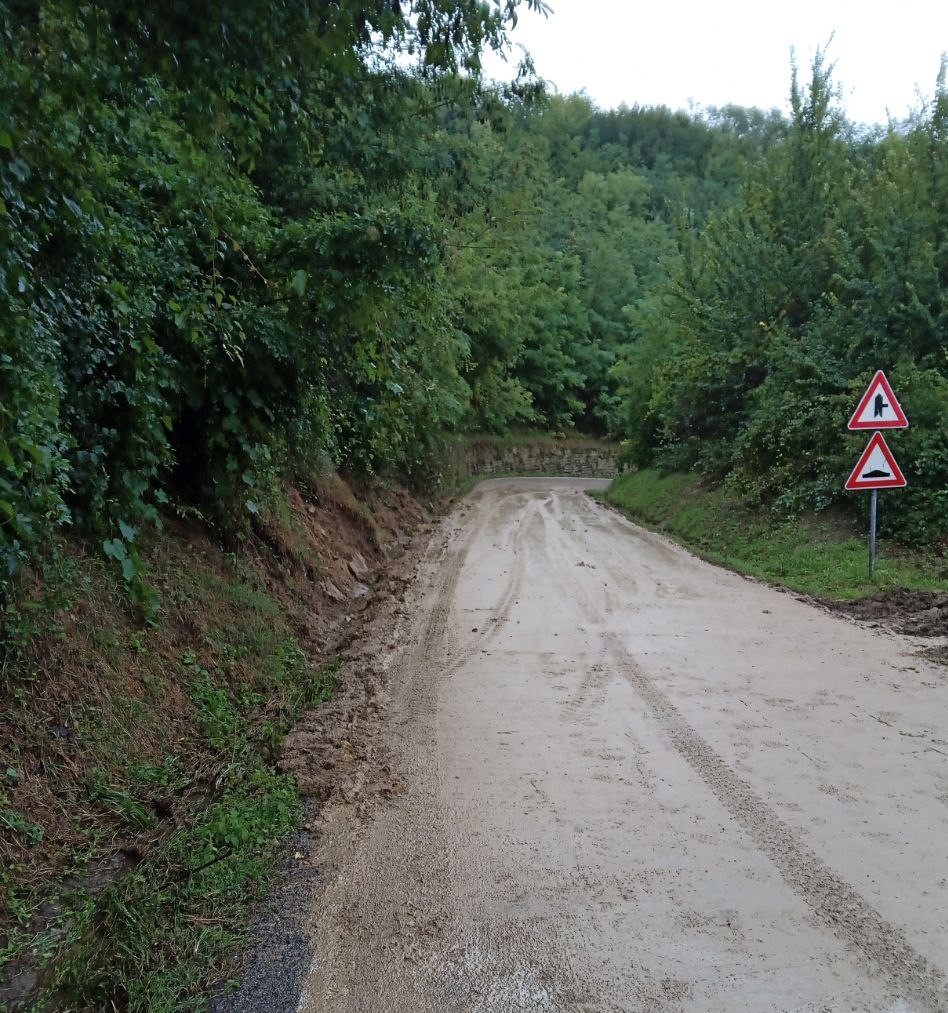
[(574, 458)]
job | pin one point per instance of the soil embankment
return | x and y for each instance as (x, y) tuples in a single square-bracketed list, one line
[(146, 784)]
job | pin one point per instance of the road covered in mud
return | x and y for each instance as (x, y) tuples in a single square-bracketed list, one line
[(632, 781)]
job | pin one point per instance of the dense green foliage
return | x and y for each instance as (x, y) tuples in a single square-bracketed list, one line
[(256, 239), (833, 263), (225, 233)]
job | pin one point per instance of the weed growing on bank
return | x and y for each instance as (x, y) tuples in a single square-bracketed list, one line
[(140, 805)]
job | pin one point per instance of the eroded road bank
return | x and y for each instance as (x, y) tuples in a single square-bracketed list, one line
[(634, 781)]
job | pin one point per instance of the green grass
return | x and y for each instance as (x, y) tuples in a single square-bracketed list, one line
[(814, 555), (155, 939), (164, 932)]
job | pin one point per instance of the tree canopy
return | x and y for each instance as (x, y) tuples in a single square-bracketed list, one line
[(254, 239), (833, 263)]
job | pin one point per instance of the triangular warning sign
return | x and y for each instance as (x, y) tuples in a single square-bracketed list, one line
[(876, 468), (879, 408)]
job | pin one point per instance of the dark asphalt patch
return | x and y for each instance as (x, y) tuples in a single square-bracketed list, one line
[(280, 950)]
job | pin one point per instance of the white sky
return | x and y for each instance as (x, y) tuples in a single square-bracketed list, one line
[(719, 51)]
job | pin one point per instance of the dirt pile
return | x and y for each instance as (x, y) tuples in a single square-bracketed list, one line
[(914, 613), (335, 747), (336, 753)]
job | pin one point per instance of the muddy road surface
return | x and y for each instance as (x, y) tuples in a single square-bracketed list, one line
[(633, 781)]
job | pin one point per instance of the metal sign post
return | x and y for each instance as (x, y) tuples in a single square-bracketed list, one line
[(877, 469), (873, 504)]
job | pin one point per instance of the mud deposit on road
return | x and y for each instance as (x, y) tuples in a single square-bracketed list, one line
[(915, 613), (922, 614), (632, 781)]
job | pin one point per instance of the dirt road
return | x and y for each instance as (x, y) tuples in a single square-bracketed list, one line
[(636, 782)]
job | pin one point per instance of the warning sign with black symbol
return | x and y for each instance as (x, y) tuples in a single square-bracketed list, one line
[(879, 408), (877, 468)]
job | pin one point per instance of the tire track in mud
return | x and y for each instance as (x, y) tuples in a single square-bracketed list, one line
[(433, 632), (500, 613), (834, 902), (592, 688), (444, 966), (880, 945), (432, 638), (428, 629), (399, 901), (641, 585)]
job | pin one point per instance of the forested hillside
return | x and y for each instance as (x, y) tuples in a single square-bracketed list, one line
[(227, 234), (772, 318), (250, 242)]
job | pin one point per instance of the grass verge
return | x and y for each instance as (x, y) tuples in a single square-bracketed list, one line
[(817, 555)]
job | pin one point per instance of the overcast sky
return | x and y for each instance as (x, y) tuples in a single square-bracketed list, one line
[(708, 53)]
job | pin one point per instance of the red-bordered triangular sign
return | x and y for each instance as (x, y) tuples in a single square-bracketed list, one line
[(876, 468), (879, 407)]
